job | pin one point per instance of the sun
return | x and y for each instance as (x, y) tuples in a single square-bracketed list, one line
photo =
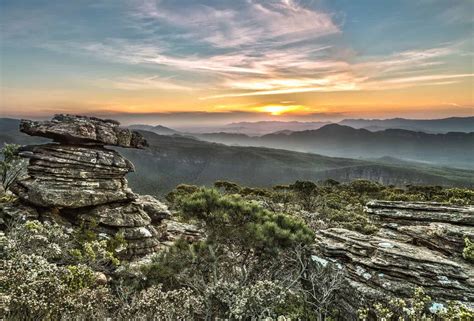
[(276, 110)]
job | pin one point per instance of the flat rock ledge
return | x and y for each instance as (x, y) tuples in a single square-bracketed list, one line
[(77, 180), (84, 130), (418, 245)]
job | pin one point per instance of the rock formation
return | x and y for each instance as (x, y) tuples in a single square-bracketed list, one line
[(82, 181), (418, 245)]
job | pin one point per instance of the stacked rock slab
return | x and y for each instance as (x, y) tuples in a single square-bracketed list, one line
[(85, 182), (418, 245)]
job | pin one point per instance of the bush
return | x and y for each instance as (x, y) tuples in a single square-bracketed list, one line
[(233, 221), (154, 303), (11, 165), (468, 252), (419, 307)]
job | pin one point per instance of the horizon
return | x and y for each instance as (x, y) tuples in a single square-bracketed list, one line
[(181, 63), (180, 125)]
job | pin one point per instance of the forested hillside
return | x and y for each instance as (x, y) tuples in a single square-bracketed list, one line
[(172, 160)]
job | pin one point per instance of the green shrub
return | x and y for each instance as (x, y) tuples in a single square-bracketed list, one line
[(231, 220), (12, 166), (468, 251), (419, 307)]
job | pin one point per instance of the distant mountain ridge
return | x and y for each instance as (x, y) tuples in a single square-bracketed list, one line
[(160, 130), (172, 159), (266, 127), (452, 149), (260, 128), (445, 125)]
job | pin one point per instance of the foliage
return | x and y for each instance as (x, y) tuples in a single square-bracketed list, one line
[(11, 165), (38, 289), (233, 221), (179, 192), (419, 307), (333, 204), (63, 245), (255, 260), (153, 302), (468, 251), (250, 263)]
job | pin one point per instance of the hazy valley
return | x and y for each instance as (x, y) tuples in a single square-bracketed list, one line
[(173, 159)]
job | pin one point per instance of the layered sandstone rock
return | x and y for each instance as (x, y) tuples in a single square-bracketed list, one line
[(73, 176), (82, 181), (84, 130), (418, 245)]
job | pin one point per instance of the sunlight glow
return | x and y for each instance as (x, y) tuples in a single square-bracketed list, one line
[(276, 110)]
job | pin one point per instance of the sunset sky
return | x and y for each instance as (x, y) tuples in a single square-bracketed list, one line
[(172, 62)]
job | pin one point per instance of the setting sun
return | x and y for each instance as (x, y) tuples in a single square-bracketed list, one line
[(276, 110)]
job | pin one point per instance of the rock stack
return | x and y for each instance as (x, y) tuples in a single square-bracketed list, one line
[(79, 179), (418, 245)]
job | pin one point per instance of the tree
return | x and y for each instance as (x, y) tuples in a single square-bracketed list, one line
[(12, 166), (228, 219), (228, 187), (238, 268), (307, 194)]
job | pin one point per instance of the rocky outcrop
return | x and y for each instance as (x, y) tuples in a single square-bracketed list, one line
[(78, 180), (73, 176), (418, 245), (84, 131)]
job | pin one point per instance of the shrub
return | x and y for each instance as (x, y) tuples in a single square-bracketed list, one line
[(419, 307), (230, 220), (11, 165), (468, 251), (154, 303)]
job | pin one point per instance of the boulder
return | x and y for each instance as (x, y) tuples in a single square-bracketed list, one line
[(154, 208), (84, 130), (73, 176)]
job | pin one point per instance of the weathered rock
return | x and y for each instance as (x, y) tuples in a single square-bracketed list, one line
[(418, 244), (117, 215), (75, 161), (447, 239), (16, 211), (83, 130), (411, 212), (100, 278), (178, 230), (73, 176), (72, 193), (154, 208), (77, 181)]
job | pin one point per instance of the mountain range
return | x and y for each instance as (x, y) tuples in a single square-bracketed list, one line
[(172, 159), (259, 128), (454, 149), (445, 125)]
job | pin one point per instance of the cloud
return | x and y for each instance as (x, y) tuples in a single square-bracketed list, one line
[(418, 79), (147, 83), (249, 23), (255, 48)]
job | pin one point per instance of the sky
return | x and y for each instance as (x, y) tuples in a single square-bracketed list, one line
[(219, 61)]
